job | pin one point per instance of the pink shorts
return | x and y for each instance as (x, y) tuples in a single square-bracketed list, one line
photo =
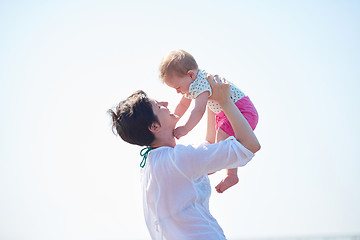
[(247, 109)]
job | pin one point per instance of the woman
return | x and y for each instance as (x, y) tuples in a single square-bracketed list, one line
[(175, 184)]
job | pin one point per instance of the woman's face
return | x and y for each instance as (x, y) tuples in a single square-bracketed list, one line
[(166, 119)]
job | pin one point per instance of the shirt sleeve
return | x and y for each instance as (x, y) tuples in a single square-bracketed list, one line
[(199, 86), (194, 162)]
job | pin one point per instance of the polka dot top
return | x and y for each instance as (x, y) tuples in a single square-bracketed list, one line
[(201, 85)]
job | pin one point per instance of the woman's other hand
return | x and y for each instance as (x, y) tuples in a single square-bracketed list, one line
[(220, 89)]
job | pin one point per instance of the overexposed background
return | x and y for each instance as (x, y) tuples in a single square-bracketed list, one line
[(64, 175)]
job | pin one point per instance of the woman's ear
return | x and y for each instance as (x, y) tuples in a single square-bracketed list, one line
[(155, 127)]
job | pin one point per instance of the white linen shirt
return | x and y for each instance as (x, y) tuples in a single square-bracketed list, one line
[(176, 188)]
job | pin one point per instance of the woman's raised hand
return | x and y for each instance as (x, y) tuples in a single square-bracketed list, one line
[(220, 89)]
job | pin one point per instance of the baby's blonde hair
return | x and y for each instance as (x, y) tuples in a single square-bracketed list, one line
[(177, 62)]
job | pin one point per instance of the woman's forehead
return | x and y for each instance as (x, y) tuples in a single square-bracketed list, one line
[(153, 102), (156, 102)]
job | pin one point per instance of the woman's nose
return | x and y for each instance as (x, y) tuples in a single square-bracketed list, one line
[(165, 104)]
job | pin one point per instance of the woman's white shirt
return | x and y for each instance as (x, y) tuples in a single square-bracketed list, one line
[(176, 188)]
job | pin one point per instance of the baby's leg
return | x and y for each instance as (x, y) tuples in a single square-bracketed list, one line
[(231, 176)]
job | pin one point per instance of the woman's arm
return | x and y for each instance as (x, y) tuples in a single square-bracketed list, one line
[(182, 106), (208, 158), (210, 130), (243, 132)]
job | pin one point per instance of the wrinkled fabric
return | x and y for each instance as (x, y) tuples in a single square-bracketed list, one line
[(247, 109), (176, 188)]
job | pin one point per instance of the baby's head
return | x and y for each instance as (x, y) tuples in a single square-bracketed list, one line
[(178, 70)]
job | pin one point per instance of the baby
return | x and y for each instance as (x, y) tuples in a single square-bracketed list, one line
[(180, 71)]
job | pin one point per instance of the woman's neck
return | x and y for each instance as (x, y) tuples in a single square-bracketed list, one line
[(164, 139)]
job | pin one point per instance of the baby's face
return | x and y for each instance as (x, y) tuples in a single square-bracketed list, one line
[(180, 84)]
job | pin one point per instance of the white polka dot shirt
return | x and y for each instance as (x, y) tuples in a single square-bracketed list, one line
[(201, 85)]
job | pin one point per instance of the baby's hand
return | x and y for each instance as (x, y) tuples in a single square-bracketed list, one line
[(180, 132)]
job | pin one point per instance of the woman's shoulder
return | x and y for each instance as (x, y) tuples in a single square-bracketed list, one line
[(165, 161), (180, 150)]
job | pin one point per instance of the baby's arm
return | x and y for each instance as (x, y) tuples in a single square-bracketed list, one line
[(195, 116), (182, 106)]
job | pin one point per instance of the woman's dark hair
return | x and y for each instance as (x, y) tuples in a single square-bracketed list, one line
[(132, 119)]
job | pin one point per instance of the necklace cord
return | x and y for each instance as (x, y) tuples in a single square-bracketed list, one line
[(144, 153)]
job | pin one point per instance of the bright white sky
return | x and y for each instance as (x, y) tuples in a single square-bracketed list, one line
[(64, 175)]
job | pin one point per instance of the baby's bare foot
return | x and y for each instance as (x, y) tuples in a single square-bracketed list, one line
[(226, 183)]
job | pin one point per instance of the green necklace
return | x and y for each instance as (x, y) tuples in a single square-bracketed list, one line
[(144, 153)]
